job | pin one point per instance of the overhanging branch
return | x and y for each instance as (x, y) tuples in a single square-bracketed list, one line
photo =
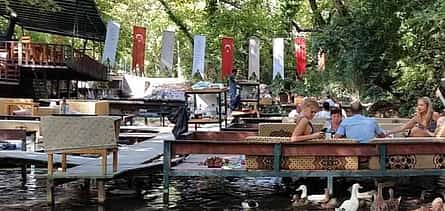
[(182, 26)]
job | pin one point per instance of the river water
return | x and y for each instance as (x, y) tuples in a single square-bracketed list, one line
[(189, 193)]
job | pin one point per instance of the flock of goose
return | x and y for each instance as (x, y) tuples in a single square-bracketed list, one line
[(372, 198)]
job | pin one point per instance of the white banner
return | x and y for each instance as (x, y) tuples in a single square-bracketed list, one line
[(254, 59), (278, 57), (168, 45), (111, 39), (199, 48)]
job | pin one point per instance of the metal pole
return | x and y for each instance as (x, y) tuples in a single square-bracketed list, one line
[(166, 170)]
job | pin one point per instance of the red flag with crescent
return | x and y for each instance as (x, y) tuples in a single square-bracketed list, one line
[(138, 53), (227, 47), (300, 55)]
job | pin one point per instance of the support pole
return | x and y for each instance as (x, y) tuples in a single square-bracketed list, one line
[(50, 190), (166, 171), (101, 196), (330, 184), (86, 185)]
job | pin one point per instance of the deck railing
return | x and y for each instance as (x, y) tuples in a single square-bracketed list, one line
[(50, 56)]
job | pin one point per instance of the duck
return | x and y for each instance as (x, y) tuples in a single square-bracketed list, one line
[(332, 203), (436, 205), (352, 204), (367, 195), (379, 204), (249, 204), (393, 204), (413, 200), (298, 201), (315, 198)]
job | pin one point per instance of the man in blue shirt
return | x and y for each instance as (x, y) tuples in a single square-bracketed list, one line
[(359, 127)]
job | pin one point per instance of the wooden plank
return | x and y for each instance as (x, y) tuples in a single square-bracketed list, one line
[(203, 121), (329, 150), (216, 136), (205, 91), (182, 148), (12, 134), (415, 148)]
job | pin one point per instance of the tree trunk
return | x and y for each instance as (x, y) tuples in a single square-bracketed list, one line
[(317, 15)]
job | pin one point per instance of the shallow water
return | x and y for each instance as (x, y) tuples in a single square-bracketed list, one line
[(188, 193)]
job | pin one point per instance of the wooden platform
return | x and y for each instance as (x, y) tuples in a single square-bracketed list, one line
[(38, 158), (131, 158)]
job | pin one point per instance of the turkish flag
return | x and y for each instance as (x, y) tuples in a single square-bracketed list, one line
[(227, 48), (138, 53), (300, 55)]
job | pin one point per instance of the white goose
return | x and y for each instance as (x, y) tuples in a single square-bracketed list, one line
[(352, 204), (367, 195), (315, 198)]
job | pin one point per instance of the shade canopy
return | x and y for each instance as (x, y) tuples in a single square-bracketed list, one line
[(75, 18)]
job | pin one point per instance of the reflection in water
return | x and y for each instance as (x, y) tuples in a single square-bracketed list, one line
[(189, 193)]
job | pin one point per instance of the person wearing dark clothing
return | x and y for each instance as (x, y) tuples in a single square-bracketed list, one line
[(235, 99)]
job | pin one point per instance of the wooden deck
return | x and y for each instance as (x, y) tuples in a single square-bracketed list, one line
[(202, 144), (137, 157)]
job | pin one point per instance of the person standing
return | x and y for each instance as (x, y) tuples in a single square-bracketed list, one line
[(235, 99)]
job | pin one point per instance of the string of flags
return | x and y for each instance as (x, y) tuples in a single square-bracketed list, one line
[(199, 52)]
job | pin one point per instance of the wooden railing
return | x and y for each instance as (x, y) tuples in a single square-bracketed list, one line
[(50, 56)]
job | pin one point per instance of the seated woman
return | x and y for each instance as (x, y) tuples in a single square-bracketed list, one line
[(424, 123), (304, 130), (440, 129), (333, 123)]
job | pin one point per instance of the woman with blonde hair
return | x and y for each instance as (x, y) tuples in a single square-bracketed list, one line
[(304, 130), (424, 123)]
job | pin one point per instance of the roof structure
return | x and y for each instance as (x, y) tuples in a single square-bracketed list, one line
[(74, 18)]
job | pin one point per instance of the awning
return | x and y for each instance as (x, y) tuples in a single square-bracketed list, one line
[(74, 18)]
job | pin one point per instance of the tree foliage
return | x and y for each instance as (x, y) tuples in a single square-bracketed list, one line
[(376, 49)]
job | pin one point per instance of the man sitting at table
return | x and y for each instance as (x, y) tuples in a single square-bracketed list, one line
[(359, 127)]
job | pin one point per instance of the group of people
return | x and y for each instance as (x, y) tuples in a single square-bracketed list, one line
[(426, 123)]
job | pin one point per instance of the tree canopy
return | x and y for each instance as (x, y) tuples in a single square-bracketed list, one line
[(376, 49)]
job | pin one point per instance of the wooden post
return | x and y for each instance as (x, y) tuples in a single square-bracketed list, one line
[(58, 89), (68, 87), (50, 191), (50, 163), (166, 171), (86, 185), (104, 161), (101, 196), (115, 160), (64, 162)]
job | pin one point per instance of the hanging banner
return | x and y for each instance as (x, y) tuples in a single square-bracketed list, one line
[(167, 50), (254, 59), (278, 57), (138, 53), (227, 47), (111, 39), (199, 48), (300, 55)]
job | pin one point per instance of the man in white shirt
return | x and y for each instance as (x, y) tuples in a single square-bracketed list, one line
[(325, 113)]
